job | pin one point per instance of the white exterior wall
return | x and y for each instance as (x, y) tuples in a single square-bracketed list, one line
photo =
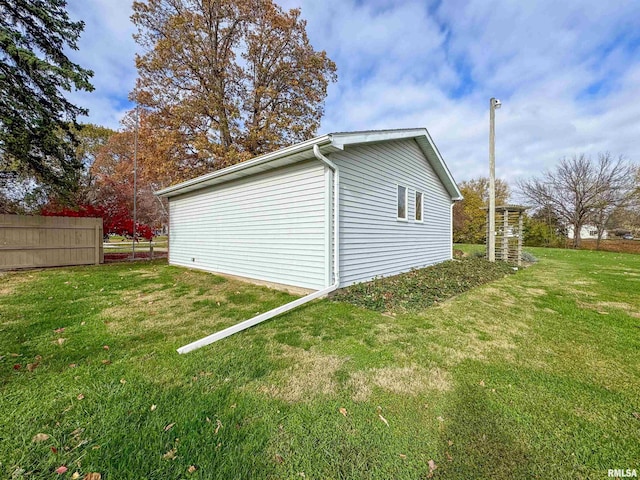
[(269, 226), (587, 232), (372, 241)]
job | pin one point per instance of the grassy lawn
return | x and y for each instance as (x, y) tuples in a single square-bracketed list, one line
[(534, 375)]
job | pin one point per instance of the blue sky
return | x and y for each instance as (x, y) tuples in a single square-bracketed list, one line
[(568, 73)]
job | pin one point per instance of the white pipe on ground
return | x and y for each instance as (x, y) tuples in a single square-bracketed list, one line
[(301, 301)]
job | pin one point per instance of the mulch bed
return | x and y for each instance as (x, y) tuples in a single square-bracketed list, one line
[(618, 246)]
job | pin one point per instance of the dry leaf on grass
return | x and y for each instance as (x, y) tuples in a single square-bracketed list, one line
[(106, 347), (18, 472), (169, 427), (384, 420), (54, 450), (482, 383), (343, 411), (75, 476), (92, 476), (61, 469), (123, 381), (72, 365), (278, 458), (449, 457), (403, 456), (153, 407), (32, 366), (40, 437), (192, 468), (80, 397), (17, 366), (106, 362), (59, 330), (170, 455), (432, 467), (60, 341), (636, 414), (218, 426)]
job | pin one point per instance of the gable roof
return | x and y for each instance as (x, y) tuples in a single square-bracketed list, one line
[(329, 143)]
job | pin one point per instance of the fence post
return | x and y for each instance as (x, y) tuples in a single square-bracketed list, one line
[(150, 250), (98, 240), (505, 235), (520, 235)]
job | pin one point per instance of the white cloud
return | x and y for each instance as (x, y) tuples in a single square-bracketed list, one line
[(107, 47), (568, 73)]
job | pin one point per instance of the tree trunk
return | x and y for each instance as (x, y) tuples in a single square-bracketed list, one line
[(600, 233), (576, 235)]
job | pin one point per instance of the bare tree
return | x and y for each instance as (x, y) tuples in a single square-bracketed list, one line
[(581, 190), (620, 192)]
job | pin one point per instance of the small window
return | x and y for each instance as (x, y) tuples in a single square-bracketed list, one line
[(402, 202), (418, 206)]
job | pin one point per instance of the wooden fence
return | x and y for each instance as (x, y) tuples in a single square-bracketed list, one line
[(34, 241)]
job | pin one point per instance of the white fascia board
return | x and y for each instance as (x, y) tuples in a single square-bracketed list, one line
[(456, 194), (339, 140), (262, 159)]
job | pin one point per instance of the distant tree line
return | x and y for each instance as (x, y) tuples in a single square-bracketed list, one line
[(582, 191), (603, 193), (469, 215)]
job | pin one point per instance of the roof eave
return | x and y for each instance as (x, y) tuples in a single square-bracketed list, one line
[(188, 185), (335, 140)]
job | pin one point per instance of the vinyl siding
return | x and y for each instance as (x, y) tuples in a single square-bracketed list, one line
[(372, 241), (269, 226)]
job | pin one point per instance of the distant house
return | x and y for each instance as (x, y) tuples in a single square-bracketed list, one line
[(587, 232), (332, 211)]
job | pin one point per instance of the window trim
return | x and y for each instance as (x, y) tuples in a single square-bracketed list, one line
[(415, 211), (406, 202)]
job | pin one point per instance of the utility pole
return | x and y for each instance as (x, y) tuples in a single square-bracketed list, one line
[(491, 235), (135, 184)]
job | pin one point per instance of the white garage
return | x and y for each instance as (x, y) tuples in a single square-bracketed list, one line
[(273, 218)]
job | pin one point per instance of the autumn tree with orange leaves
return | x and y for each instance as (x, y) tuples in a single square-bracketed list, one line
[(225, 80), (112, 173)]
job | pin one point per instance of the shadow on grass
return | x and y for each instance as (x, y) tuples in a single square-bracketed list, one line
[(482, 445)]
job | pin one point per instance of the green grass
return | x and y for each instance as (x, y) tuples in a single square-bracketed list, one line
[(534, 375)]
